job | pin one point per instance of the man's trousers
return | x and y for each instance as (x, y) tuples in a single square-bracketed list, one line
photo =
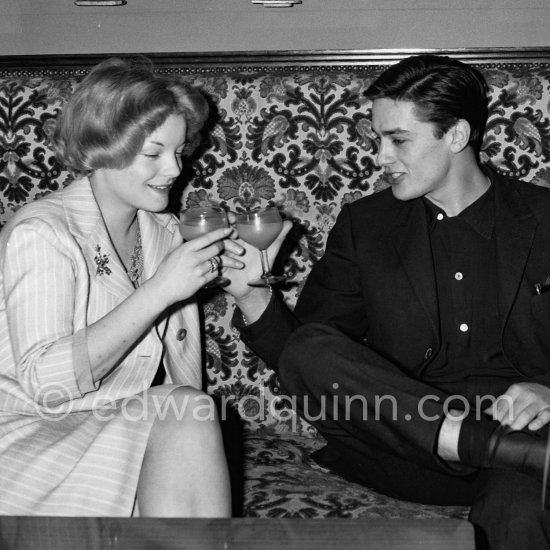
[(382, 427)]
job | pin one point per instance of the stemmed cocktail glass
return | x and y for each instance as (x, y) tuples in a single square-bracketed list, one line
[(260, 228), (199, 220)]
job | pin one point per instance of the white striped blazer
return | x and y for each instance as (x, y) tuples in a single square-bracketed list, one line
[(66, 448)]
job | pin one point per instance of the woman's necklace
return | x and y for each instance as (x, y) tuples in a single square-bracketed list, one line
[(136, 260)]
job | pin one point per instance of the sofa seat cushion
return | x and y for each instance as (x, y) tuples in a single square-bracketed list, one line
[(281, 480)]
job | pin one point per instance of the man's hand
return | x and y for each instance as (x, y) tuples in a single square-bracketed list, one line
[(523, 404), (250, 256)]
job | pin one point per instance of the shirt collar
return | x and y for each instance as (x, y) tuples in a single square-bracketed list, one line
[(479, 215)]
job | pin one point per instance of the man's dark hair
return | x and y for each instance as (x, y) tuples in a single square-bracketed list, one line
[(442, 89)]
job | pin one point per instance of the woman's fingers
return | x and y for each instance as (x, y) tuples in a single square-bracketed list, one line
[(204, 254), (208, 238)]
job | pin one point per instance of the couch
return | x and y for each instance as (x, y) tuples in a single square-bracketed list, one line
[(290, 129)]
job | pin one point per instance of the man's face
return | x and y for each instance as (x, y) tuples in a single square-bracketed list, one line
[(415, 161)]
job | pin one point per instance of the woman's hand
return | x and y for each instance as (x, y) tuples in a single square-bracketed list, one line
[(188, 267)]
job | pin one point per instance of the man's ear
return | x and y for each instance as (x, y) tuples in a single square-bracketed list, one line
[(459, 135)]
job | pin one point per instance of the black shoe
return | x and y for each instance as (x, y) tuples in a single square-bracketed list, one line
[(524, 451)]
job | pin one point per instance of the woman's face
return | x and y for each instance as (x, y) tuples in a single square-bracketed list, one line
[(146, 182)]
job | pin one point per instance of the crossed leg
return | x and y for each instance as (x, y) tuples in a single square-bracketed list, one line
[(383, 432), (184, 471)]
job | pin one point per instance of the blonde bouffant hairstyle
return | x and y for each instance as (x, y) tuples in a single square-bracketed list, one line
[(116, 106)]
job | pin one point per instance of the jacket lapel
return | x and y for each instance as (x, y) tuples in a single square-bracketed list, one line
[(159, 237), (87, 225), (515, 228), (156, 242), (412, 243)]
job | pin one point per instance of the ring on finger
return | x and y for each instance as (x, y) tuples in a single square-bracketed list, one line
[(213, 264)]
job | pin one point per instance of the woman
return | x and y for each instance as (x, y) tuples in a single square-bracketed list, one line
[(96, 291)]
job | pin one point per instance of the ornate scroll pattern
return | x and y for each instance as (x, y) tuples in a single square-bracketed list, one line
[(283, 481), (28, 107)]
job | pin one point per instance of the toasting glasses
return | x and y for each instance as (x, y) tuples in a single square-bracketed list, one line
[(260, 228), (199, 220)]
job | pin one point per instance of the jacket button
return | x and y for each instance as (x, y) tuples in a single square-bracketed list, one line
[(428, 353), (182, 333)]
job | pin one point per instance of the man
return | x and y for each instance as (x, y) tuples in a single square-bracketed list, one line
[(422, 312)]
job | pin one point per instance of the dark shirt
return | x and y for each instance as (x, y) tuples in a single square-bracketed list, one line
[(464, 255)]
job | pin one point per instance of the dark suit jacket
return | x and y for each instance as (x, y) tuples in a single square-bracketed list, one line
[(376, 282)]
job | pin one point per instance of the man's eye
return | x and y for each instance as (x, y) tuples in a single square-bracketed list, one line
[(151, 156), (396, 141)]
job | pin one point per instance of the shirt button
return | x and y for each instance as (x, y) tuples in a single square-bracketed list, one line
[(440, 216), (464, 327), (181, 334), (428, 353), (458, 276)]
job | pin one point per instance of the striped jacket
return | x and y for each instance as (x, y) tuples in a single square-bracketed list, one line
[(69, 445)]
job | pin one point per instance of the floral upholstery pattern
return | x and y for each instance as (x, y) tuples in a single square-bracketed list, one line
[(298, 137), (283, 481)]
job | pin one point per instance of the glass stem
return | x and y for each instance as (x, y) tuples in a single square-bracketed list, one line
[(265, 263)]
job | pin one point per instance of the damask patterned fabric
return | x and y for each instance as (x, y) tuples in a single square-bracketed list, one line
[(299, 138), (283, 481)]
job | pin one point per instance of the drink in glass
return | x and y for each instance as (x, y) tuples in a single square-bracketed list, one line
[(199, 220), (260, 228)]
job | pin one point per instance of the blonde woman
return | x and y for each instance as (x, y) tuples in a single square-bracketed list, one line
[(96, 291)]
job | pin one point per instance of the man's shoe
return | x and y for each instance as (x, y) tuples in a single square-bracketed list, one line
[(524, 451)]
